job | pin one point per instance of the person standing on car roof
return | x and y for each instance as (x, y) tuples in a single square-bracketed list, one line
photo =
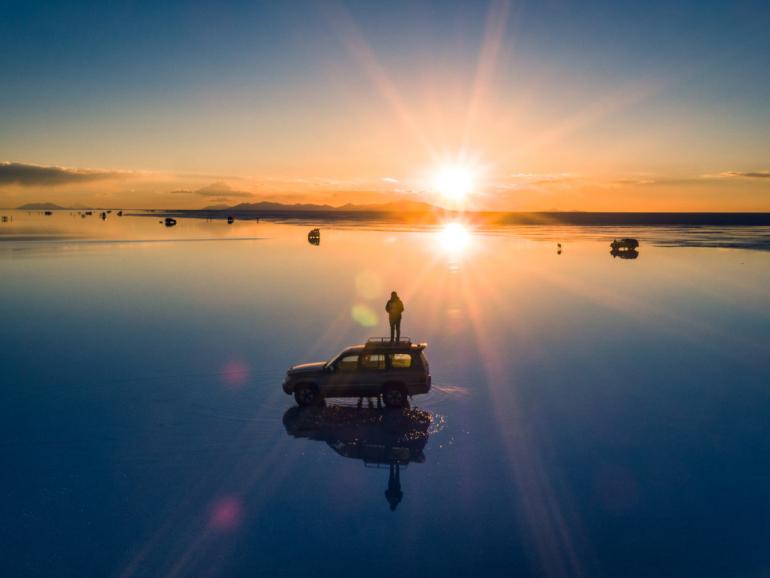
[(395, 308)]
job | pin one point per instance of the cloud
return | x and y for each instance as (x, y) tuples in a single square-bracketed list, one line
[(218, 190), (634, 182), (49, 176), (748, 175), (543, 178)]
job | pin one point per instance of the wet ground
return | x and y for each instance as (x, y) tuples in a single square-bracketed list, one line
[(591, 415)]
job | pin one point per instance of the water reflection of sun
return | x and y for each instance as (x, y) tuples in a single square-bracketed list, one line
[(453, 239)]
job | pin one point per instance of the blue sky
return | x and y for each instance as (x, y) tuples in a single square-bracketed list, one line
[(262, 90)]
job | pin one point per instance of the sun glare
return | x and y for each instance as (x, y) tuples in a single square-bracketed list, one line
[(454, 182), (453, 239)]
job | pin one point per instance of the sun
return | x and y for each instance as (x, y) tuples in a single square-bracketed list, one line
[(454, 182)]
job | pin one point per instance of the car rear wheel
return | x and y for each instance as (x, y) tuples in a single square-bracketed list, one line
[(394, 395), (306, 395)]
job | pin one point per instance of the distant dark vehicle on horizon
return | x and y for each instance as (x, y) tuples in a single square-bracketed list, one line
[(394, 370), (49, 213), (624, 244), (624, 248), (169, 222), (314, 237)]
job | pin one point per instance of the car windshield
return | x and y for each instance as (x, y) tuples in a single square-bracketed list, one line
[(339, 356)]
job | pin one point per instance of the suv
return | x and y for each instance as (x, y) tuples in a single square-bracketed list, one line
[(394, 370)]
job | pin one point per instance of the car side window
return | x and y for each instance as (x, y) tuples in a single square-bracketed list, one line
[(400, 360), (348, 363), (373, 361)]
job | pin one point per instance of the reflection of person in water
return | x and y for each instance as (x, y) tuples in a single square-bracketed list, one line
[(394, 494), (395, 308)]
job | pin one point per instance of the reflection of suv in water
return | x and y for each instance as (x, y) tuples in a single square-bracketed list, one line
[(385, 438), (394, 370)]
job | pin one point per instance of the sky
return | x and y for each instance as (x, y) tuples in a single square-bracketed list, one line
[(540, 105)]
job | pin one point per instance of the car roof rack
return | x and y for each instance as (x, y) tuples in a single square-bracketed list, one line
[(386, 342)]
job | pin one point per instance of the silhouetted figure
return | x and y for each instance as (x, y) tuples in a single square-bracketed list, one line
[(395, 308), (314, 237), (394, 494), (369, 402), (558, 248)]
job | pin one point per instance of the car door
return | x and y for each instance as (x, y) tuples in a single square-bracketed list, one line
[(372, 372), (343, 376), (402, 367)]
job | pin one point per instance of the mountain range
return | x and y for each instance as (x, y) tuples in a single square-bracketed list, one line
[(40, 207), (268, 206)]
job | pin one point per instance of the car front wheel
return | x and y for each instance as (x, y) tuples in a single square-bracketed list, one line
[(394, 395), (306, 395)]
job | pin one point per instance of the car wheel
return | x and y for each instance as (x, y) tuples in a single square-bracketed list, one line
[(306, 395), (394, 395)]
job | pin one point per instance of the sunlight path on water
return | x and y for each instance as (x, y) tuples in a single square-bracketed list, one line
[(573, 396)]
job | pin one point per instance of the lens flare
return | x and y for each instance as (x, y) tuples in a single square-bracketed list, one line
[(235, 373), (364, 315), (369, 285), (225, 514)]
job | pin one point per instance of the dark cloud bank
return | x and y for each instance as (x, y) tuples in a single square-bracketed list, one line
[(750, 175), (36, 175)]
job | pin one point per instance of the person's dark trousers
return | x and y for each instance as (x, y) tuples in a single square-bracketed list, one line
[(395, 327)]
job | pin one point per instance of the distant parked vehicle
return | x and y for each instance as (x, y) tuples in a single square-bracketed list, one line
[(624, 248), (624, 244), (393, 370), (230, 219), (169, 222), (48, 213), (314, 237)]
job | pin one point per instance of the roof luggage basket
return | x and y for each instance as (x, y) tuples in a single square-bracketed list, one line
[(387, 341)]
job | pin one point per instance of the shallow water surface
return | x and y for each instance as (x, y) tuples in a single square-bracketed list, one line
[(591, 415)]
